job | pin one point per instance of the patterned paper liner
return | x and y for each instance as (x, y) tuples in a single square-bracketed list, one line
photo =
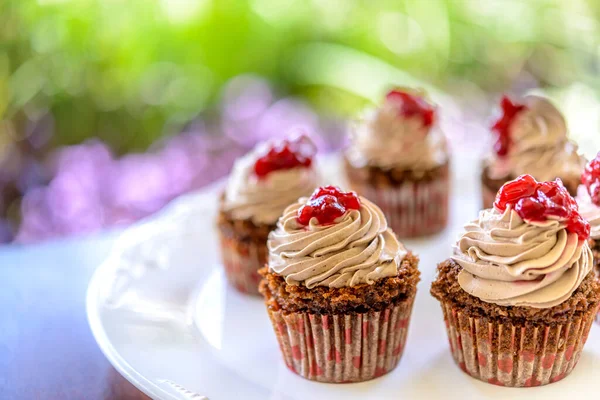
[(487, 197), (343, 348), (595, 246), (597, 272), (520, 355), (242, 260), (413, 208)]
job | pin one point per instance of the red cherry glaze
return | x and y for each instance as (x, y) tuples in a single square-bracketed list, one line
[(591, 179), (410, 105), (530, 208), (326, 204), (502, 126), (511, 192), (539, 201), (286, 154)]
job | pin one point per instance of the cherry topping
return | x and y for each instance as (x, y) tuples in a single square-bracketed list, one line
[(286, 154), (591, 179), (410, 105), (539, 201), (511, 192), (326, 204), (502, 126)]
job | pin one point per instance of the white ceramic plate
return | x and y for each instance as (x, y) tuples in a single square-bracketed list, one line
[(164, 316)]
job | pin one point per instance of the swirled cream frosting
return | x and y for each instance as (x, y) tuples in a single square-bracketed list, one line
[(358, 248), (539, 145), (589, 211), (262, 200), (383, 138), (510, 262)]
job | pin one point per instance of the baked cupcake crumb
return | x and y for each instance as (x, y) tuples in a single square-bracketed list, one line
[(378, 177), (345, 300), (243, 250), (447, 289), (243, 229)]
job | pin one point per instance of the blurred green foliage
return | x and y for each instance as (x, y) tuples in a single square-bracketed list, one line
[(130, 71)]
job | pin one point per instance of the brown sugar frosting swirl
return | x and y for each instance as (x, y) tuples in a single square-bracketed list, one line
[(539, 145), (383, 138), (511, 262), (263, 200), (358, 248), (589, 211)]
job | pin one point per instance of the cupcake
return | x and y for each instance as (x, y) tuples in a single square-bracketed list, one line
[(517, 295), (339, 288), (262, 184), (398, 158), (588, 199), (531, 138)]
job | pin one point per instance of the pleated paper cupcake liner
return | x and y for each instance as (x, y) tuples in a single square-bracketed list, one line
[(242, 260), (413, 208), (595, 246), (343, 348), (522, 355)]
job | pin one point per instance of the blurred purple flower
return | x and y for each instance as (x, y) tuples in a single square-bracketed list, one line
[(289, 115), (91, 189), (246, 97)]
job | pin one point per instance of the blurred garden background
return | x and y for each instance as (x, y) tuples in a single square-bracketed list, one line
[(109, 109)]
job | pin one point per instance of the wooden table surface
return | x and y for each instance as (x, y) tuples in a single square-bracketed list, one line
[(47, 350)]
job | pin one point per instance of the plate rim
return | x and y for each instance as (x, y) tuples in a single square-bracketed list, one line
[(105, 268), (99, 333), (97, 312), (108, 265)]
